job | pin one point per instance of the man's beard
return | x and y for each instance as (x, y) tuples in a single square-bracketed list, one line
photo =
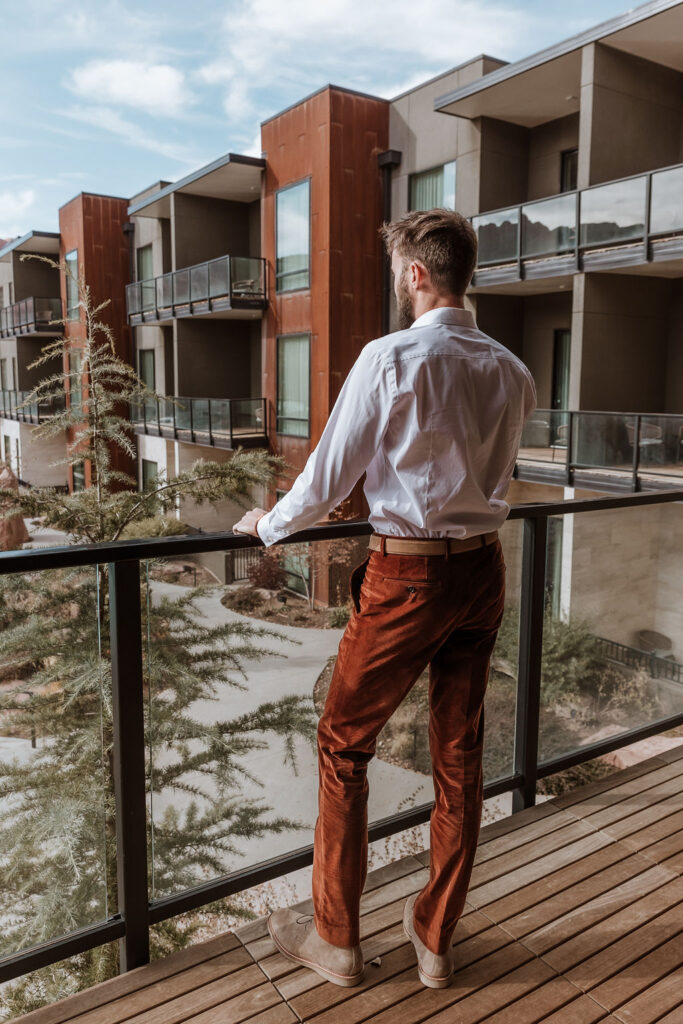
[(406, 314)]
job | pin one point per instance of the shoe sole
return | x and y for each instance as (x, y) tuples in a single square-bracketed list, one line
[(427, 979), (344, 980)]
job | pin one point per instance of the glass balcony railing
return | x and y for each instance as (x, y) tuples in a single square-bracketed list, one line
[(615, 213), (11, 407), (223, 422), (229, 282), (640, 446), (139, 717), (30, 316)]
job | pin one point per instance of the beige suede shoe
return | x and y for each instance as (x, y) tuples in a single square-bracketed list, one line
[(296, 936), (435, 970)]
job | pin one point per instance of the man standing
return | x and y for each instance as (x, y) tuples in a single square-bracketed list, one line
[(433, 414)]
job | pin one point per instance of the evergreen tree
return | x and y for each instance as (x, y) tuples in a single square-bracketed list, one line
[(57, 815)]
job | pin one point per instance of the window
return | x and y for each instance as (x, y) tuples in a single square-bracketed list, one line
[(4, 383), (72, 308), (2, 296), (79, 476), (293, 237), (568, 170), (145, 262), (150, 474), (75, 381), (293, 384), (146, 356), (17, 457), (7, 449), (435, 187), (15, 375)]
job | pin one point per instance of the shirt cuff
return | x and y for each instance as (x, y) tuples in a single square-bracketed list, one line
[(267, 534)]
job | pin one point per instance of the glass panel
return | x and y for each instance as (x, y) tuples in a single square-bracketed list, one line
[(200, 414), (219, 277), (181, 287), (165, 291), (614, 212), (293, 385), (148, 290), (133, 299), (247, 278), (220, 418), (666, 205), (166, 414), (145, 263), (57, 814), (603, 440), (660, 448), (433, 188), (448, 200), (611, 655), (72, 308), (247, 416), (569, 170), (544, 437), (550, 226), (293, 237), (75, 381), (183, 414), (498, 235), (199, 282)]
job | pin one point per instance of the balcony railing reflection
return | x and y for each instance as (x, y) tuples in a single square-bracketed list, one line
[(226, 283), (637, 446), (646, 207), (30, 316), (34, 412), (222, 422)]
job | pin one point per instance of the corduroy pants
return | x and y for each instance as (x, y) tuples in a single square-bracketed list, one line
[(409, 611)]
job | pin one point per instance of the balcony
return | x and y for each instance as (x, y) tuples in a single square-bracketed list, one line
[(610, 451), (622, 223), (35, 412), (219, 422), (573, 911), (230, 286), (31, 316)]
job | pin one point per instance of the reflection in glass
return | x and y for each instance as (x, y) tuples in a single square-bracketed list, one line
[(614, 212), (219, 277), (292, 240), (549, 226), (666, 204), (498, 235), (603, 440)]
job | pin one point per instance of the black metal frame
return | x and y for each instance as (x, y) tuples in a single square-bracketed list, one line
[(130, 925)]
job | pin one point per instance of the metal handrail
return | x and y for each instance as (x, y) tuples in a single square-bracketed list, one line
[(213, 432), (136, 288), (136, 913)]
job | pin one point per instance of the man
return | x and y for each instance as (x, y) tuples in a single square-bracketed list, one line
[(433, 414)]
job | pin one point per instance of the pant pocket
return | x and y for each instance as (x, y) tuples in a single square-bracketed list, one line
[(356, 582)]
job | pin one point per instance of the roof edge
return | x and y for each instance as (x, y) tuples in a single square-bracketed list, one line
[(316, 92), (221, 161), (20, 239), (450, 71)]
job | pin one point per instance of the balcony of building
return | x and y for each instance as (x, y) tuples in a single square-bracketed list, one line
[(31, 316), (229, 287), (217, 422), (12, 407), (634, 223), (605, 451), (573, 910)]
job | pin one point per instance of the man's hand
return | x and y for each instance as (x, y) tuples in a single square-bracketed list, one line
[(247, 523)]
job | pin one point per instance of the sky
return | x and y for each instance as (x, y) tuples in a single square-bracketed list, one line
[(112, 95)]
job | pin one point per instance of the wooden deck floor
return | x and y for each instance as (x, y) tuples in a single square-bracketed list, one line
[(574, 916)]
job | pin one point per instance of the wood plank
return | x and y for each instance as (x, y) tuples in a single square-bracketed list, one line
[(503, 826), (575, 797), (511, 860), (623, 793), (662, 801), (665, 996), (196, 1001), (237, 1010), (673, 754), (629, 983), (556, 1000), (521, 837), (586, 914), (608, 947), (644, 838), (557, 894), (123, 984), (583, 1010)]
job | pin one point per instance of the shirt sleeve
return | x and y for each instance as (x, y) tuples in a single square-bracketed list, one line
[(352, 436)]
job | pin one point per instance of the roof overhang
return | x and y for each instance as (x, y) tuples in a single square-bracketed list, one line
[(546, 85), (45, 242), (229, 177)]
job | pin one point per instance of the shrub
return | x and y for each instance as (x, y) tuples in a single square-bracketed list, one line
[(267, 573), (338, 617), (244, 599)]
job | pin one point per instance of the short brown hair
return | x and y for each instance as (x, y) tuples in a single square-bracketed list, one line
[(442, 240)]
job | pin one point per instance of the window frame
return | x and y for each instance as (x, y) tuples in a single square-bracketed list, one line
[(290, 273), (79, 465), (278, 339), (564, 154), (138, 250), (429, 170), (69, 283)]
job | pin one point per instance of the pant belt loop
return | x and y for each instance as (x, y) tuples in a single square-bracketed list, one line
[(383, 546)]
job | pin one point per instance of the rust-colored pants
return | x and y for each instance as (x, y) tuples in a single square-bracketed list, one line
[(409, 611)]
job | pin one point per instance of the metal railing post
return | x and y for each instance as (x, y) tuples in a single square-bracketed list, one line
[(230, 421), (530, 652), (208, 402), (129, 760), (646, 226), (570, 442), (636, 453), (192, 418)]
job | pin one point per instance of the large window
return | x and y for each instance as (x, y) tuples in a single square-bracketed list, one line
[(150, 474), (293, 237), (78, 470), (293, 384), (569, 170), (4, 382), (147, 373), (7, 449), (145, 263), (433, 188), (72, 309), (75, 381)]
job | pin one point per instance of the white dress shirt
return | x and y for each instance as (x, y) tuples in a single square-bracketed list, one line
[(433, 415)]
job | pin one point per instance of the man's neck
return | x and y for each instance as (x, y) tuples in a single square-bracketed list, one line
[(425, 301)]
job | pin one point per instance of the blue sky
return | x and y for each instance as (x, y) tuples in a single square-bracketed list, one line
[(112, 95)]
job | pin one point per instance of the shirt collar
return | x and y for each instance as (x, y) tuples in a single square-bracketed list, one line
[(446, 315)]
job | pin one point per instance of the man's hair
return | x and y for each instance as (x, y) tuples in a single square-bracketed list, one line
[(442, 240)]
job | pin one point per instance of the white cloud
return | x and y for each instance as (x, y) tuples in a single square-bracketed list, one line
[(132, 134), (13, 209), (156, 89)]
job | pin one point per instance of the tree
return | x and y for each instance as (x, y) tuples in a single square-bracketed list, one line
[(57, 815)]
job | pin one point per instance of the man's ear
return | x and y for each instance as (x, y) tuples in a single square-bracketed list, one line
[(418, 274)]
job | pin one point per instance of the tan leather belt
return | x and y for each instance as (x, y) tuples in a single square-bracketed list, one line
[(418, 546)]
